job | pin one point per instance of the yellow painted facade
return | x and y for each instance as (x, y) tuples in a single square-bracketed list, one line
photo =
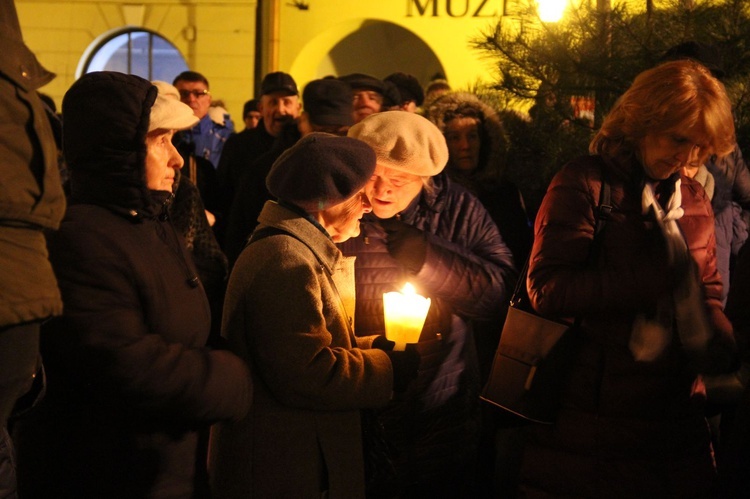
[(308, 38)]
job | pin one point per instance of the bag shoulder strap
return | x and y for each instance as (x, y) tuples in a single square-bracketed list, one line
[(603, 211), (273, 231)]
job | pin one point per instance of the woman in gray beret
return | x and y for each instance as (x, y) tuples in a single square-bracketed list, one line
[(289, 313)]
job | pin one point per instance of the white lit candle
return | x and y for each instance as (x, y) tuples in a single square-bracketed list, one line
[(405, 312)]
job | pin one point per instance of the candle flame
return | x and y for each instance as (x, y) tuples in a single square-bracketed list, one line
[(404, 312)]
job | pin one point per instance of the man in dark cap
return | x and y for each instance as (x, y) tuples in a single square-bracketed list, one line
[(409, 89), (279, 101), (327, 108), (368, 94), (279, 104)]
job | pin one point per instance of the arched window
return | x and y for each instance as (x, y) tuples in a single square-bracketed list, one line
[(134, 51)]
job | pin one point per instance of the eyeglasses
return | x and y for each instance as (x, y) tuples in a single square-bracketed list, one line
[(185, 94)]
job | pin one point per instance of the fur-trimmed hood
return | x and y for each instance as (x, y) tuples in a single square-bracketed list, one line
[(494, 138)]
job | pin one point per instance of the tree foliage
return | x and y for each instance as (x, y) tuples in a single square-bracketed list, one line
[(596, 53)]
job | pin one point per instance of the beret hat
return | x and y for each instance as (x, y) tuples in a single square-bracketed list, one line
[(404, 141), (168, 112), (321, 170)]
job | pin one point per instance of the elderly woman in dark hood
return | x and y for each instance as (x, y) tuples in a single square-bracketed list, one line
[(131, 382)]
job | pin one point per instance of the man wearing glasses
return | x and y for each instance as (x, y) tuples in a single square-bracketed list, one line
[(208, 136)]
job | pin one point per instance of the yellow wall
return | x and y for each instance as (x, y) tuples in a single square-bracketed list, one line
[(217, 37), (445, 26), (222, 47)]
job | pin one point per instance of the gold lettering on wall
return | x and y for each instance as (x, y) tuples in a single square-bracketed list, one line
[(452, 8)]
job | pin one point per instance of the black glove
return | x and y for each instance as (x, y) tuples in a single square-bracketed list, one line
[(383, 343), (405, 367), (405, 243)]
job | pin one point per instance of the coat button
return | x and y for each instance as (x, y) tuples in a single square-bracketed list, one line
[(24, 72)]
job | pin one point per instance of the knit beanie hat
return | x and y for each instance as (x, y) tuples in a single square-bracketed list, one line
[(404, 141), (321, 170)]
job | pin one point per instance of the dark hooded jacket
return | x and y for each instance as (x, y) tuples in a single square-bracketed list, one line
[(31, 200), (499, 195), (130, 381), (468, 273), (31, 196)]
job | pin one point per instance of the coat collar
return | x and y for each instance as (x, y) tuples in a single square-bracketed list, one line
[(283, 218)]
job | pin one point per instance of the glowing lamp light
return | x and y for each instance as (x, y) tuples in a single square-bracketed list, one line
[(551, 11), (405, 312)]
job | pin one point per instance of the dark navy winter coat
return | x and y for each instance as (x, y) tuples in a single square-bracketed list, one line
[(468, 274), (130, 380)]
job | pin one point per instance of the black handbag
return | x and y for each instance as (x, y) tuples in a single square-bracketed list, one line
[(534, 356), (531, 362)]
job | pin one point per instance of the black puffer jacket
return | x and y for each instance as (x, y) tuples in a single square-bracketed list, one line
[(130, 381), (468, 272)]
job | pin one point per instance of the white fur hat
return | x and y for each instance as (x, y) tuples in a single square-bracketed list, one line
[(168, 112), (404, 141)]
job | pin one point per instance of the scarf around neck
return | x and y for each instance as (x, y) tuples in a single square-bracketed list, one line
[(683, 310)]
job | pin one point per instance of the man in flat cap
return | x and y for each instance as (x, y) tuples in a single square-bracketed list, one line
[(435, 234), (368, 93), (409, 89)]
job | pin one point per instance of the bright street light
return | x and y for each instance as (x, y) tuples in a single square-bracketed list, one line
[(551, 11)]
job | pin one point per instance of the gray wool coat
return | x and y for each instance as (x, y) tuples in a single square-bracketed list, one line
[(284, 316)]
